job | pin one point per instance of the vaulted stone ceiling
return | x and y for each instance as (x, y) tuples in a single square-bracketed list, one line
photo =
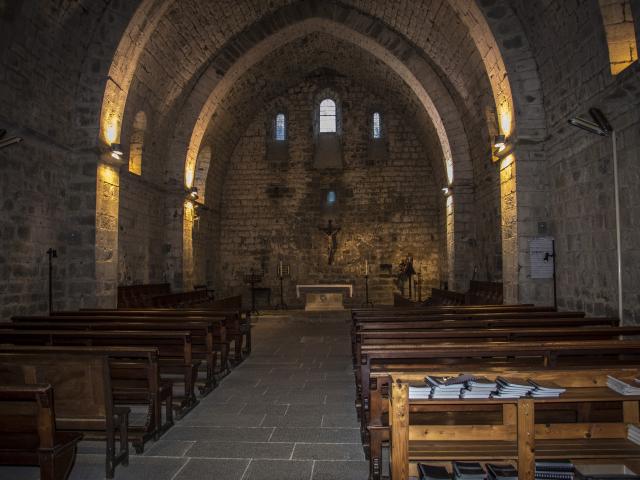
[(313, 56), (193, 39)]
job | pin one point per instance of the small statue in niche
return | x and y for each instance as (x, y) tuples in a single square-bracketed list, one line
[(406, 272), (331, 234)]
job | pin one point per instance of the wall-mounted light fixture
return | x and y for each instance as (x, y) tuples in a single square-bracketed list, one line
[(6, 141), (448, 191), (502, 147), (116, 151), (192, 194)]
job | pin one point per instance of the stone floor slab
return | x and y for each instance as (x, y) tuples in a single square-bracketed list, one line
[(279, 470)]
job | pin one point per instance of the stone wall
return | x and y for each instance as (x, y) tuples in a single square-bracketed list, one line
[(140, 231), (273, 213), (569, 44)]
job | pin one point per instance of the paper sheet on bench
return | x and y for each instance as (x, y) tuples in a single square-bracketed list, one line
[(538, 249)]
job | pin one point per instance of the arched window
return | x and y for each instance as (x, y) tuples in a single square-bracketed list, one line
[(621, 35), (376, 124), (280, 131), (136, 144), (328, 116)]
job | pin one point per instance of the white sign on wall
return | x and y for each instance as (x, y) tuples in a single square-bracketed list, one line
[(541, 257)]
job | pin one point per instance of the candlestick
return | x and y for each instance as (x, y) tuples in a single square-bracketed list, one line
[(366, 267)]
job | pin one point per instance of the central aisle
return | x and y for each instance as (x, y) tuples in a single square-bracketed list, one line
[(287, 412)]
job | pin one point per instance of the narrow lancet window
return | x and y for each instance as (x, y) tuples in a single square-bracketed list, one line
[(281, 127), (327, 116), (377, 126)]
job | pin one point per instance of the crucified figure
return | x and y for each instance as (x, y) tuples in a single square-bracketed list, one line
[(331, 233)]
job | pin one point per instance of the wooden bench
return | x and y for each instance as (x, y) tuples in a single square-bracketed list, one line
[(174, 351), (544, 354), (140, 295), (83, 396), (370, 313), (135, 380), (209, 337), (402, 337), (237, 331), (517, 436), (28, 433), (180, 299), (420, 326)]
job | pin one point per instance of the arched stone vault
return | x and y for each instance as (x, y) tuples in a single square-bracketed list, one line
[(61, 58), (410, 50), (220, 88)]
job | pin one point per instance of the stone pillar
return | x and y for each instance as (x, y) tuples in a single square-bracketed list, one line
[(461, 266), (524, 205), (106, 252), (175, 232)]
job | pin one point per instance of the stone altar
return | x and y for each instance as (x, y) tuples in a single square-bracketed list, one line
[(324, 297)]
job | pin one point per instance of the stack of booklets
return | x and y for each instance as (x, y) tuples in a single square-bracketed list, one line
[(633, 434), (554, 470), (432, 472), (501, 472), (546, 389), (419, 391), (623, 388), (479, 387), (616, 471), (468, 471), (511, 389), (447, 387)]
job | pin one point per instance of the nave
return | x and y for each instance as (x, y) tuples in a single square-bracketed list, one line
[(286, 412)]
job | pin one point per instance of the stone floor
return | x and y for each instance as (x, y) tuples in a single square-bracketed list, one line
[(286, 413)]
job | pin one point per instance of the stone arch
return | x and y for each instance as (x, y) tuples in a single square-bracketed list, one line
[(200, 179), (417, 73), (124, 64), (212, 87)]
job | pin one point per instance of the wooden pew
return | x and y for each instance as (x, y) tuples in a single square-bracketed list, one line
[(437, 324), (384, 311), (28, 433), (541, 353), (83, 396), (174, 351), (500, 333), (209, 337), (446, 297), (517, 437), (181, 299), (473, 357), (140, 295), (135, 380), (236, 329)]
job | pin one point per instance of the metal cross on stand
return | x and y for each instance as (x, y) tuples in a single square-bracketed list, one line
[(253, 278), (283, 270)]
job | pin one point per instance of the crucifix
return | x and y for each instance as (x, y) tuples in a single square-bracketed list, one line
[(331, 234)]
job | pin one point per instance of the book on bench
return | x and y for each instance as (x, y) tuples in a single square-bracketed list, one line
[(616, 471), (433, 472), (555, 470), (468, 471), (622, 387), (501, 472), (546, 389)]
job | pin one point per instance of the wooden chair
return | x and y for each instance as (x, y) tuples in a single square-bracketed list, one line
[(28, 433)]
